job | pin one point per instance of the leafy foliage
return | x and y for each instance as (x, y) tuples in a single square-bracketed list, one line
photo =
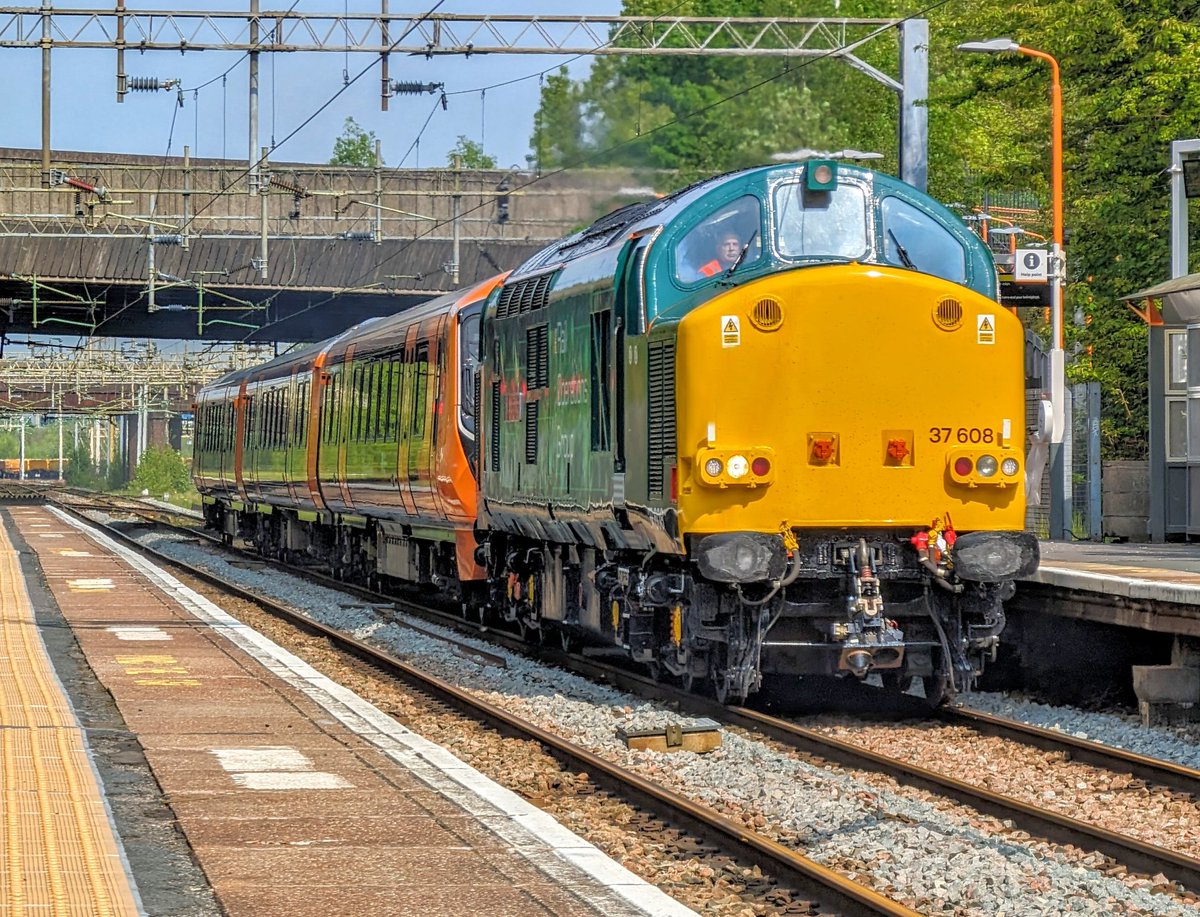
[(161, 470), (356, 147), (471, 154), (1131, 84)]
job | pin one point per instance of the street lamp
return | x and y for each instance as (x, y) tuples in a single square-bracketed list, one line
[(1060, 491)]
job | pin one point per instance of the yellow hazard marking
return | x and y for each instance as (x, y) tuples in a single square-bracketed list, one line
[(157, 664), (731, 331), (985, 329), (168, 682)]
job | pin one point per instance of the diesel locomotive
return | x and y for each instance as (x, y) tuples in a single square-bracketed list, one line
[(772, 424)]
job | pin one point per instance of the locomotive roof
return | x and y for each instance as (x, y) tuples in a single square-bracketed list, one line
[(661, 211)]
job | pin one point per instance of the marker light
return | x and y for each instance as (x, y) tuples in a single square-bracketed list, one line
[(1009, 466), (713, 467), (760, 466), (737, 467), (962, 466), (987, 466)]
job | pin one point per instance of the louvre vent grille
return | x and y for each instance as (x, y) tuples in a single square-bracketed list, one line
[(537, 357), (661, 413), (531, 433), (494, 439), (949, 314), (525, 296), (767, 314)]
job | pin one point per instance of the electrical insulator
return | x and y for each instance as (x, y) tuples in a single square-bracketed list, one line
[(412, 88), (359, 236), (151, 84), (287, 186), (502, 202), (167, 240)]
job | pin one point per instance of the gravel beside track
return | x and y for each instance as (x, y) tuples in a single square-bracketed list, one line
[(1118, 802), (935, 856), (1180, 744)]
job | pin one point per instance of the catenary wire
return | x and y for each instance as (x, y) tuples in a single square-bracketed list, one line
[(600, 154)]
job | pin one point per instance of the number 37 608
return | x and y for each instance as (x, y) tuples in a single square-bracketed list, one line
[(965, 435)]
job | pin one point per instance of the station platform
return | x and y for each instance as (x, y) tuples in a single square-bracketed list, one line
[(1150, 572), (294, 795)]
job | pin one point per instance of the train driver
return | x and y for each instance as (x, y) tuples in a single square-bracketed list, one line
[(726, 253)]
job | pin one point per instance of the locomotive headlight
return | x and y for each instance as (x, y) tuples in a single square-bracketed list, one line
[(1009, 466), (987, 466), (738, 466), (713, 468)]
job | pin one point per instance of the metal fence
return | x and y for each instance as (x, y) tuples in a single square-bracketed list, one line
[(1084, 459)]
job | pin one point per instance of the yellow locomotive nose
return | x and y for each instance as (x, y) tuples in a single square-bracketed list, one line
[(849, 395)]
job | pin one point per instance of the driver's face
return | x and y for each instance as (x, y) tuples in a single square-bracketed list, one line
[(729, 249)]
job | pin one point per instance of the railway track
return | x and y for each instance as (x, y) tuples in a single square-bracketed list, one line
[(1130, 852), (835, 893)]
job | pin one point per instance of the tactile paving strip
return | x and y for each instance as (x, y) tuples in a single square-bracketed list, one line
[(59, 856)]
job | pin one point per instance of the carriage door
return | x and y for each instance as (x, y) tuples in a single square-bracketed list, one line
[(629, 366)]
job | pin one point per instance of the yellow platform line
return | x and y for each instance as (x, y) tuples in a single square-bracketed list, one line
[(31, 703)]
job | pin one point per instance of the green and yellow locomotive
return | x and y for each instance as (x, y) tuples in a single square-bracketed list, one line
[(771, 424)]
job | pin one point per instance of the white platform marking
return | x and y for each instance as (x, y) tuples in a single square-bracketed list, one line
[(263, 758), (276, 767), (314, 780), (94, 584), (139, 633)]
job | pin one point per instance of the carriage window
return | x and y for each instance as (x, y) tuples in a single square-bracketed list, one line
[(821, 224), (715, 245), (468, 361), (914, 239)]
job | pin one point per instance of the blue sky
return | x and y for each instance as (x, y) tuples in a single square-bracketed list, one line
[(86, 116)]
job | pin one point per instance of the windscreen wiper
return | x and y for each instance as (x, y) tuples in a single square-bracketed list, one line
[(902, 252)]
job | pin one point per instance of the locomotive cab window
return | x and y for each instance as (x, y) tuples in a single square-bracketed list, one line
[(914, 239), (468, 373), (821, 224), (715, 245)]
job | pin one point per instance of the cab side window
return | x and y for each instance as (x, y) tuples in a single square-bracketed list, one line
[(715, 245), (914, 239)]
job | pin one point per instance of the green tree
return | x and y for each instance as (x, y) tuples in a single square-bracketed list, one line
[(559, 133), (160, 471), (355, 147), (80, 470), (471, 154)]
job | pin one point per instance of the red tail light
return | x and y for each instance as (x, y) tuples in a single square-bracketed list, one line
[(962, 466), (761, 466)]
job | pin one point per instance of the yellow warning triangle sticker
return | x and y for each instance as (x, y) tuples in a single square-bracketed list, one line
[(985, 325), (730, 327)]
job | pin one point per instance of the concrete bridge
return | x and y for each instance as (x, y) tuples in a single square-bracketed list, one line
[(175, 247)]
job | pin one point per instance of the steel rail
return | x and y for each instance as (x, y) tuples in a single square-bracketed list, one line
[(1131, 852), (836, 891)]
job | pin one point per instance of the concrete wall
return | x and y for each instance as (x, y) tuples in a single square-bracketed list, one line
[(1125, 499)]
